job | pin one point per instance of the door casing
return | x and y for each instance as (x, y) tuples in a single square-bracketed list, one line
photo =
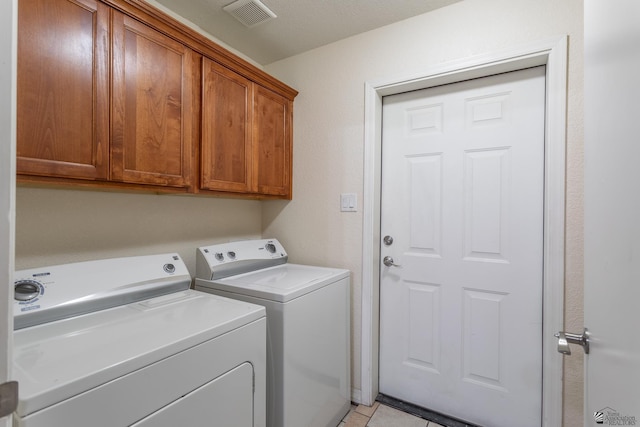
[(8, 50), (553, 54)]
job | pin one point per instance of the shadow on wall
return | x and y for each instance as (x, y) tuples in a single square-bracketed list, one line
[(271, 210), (59, 225)]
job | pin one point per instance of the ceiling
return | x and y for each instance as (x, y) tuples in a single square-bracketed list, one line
[(301, 25)]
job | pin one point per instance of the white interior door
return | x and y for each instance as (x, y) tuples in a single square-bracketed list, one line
[(8, 23), (612, 210), (462, 198)]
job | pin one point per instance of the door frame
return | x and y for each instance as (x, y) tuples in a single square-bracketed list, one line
[(8, 64), (553, 54)]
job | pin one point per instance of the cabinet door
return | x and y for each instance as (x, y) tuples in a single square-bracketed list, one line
[(226, 131), (151, 110), (272, 143), (62, 109)]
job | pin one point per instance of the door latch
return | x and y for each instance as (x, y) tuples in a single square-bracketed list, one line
[(388, 261), (8, 398), (566, 338)]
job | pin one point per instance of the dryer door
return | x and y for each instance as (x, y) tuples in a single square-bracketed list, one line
[(224, 401)]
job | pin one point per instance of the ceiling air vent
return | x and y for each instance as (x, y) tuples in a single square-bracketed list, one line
[(250, 12)]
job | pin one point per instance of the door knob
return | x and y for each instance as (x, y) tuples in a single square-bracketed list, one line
[(388, 261), (565, 338)]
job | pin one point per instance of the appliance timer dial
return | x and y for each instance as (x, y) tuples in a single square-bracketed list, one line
[(270, 247), (27, 290)]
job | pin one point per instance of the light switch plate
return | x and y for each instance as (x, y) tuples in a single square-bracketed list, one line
[(348, 202)]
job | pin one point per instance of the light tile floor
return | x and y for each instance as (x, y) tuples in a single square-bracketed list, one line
[(380, 415)]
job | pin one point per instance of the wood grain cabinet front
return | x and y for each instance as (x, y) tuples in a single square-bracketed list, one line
[(116, 94), (63, 98), (272, 136), (151, 106), (246, 135), (225, 147)]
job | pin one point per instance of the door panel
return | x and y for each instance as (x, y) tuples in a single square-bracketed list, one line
[(63, 98), (612, 209), (151, 106), (462, 195), (272, 142), (8, 33), (226, 129)]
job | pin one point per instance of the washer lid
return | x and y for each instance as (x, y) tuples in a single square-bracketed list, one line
[(281, 283), (55, 361)]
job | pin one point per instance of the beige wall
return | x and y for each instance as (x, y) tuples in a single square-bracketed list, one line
[(55, 226), (329, 134)]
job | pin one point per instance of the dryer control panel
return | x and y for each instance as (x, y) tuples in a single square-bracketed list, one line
[(56, 292), (229, 259)]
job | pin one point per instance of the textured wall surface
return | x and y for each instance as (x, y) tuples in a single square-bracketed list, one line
[(55, 226), (329, 134)]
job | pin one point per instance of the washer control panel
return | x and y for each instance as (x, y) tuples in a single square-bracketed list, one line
[(55, 292), (227, 259)]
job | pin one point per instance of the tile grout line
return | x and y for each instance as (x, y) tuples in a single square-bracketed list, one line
[(361, 415)]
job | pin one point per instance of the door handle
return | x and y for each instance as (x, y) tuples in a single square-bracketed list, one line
[(388, 261), (566, 338)]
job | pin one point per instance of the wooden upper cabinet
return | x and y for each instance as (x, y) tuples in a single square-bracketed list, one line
[(225, 150), (62, 111), (116, 94), (151, 106), (272, 143), (246, 135)]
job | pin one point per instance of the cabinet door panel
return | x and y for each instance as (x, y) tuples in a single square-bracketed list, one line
[(62, 109), (151, 106), (272, 143), (226, 131)]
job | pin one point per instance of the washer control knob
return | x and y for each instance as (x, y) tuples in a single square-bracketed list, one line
[(26, 290), (169, 268), (231, 254), (219, 256), (270, 247)]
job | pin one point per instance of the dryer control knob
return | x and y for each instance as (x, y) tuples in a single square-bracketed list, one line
[(270, 247), (219, 256), (26, 290), (231, 254)]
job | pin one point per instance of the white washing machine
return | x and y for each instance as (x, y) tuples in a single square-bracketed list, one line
[(308, 327), (125, 342)]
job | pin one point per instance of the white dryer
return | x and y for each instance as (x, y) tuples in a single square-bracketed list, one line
[(308, 326), (125, 342)]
